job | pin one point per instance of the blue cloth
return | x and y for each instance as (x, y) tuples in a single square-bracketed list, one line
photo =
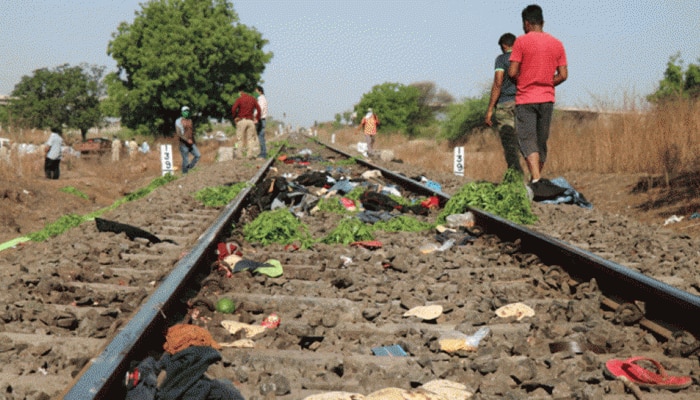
[(570, 196), (343, 186)]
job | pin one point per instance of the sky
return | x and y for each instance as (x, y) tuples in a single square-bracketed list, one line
[(328, 53)]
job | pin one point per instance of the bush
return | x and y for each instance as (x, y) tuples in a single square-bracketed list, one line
[(464, 118)]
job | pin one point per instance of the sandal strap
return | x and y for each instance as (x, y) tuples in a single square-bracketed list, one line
[(646, 374)]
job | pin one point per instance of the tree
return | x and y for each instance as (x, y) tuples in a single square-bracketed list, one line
[(430, 102), (462, 119), (178, 52), (676, 83), (63, 96), (395, 104)]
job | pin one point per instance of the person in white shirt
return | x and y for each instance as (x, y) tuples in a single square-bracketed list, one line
[(262, 102), (53, 154)]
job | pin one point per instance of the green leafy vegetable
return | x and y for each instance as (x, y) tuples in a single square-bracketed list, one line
[(508, 200), (349, 230), (277, 226), (403, 223)]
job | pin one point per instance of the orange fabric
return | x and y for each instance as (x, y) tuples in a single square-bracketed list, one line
[(370, 125), (182, 336)]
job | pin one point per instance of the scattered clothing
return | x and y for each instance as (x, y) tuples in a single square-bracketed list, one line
[(182, 336), (131, 232), (568, 196)]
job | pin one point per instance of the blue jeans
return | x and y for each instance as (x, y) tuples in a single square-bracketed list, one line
[(185, 151), (261, 138)]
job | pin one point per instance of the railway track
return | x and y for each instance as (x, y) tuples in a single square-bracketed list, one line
[(340, 304)]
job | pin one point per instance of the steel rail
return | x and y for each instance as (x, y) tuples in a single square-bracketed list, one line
[(665, 305), (100, 378)]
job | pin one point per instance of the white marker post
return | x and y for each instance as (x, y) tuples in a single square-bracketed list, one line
[(166, 159), (459, 161)]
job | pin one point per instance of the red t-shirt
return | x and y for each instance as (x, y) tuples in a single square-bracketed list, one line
[(539, 55), (244, 106)]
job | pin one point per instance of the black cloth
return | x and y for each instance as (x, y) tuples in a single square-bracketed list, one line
[(146, 388), (185, 378), (131, 232), (313, 178), (543, 189), (265, 192)]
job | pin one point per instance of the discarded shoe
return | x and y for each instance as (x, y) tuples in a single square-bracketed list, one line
[(643, 377)]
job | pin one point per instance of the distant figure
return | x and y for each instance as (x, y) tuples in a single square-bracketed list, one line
[(145, 148), (503, 102), (369, 124), (243, 112), (185, 134), (132, 148), (53, 154), (116, 148), (537, 64), (262, 102)]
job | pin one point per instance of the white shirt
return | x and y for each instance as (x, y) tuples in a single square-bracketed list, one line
[(262, 102)]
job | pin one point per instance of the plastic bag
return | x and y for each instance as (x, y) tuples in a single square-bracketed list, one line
[(453, 341)]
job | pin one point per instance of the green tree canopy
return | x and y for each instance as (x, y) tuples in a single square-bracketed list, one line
[(676, 82), (182, 52), (430, 101), (463, 118), (63, 96), (395, 104)]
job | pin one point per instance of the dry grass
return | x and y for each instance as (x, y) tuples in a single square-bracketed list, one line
[(32, 165), (663, 141)]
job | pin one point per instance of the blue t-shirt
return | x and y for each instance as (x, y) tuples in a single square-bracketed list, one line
[(508, 87)]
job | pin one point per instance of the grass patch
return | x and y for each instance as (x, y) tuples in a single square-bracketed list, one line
[(72, 220), (219, 196), (74, 191)]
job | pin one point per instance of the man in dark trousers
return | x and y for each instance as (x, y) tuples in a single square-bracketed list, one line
[(185, 135), (501, 110), (537, 64), (243, 112)]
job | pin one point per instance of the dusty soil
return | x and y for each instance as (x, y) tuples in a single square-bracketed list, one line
[(30, 201)]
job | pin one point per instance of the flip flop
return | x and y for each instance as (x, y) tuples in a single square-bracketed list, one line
[(644, 377)]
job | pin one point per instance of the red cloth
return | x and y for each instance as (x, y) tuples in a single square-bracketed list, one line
[(539, 55), (244, 107)]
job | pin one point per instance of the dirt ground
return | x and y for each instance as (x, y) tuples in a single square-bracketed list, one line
[(30, 201)]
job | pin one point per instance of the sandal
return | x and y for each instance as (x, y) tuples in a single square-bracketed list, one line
[(643, 377)]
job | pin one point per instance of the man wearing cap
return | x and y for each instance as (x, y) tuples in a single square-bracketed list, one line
[(185, 135), (243, 112)]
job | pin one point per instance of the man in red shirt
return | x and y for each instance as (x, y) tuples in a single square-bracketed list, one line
[(245, 120), (537, 64)]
